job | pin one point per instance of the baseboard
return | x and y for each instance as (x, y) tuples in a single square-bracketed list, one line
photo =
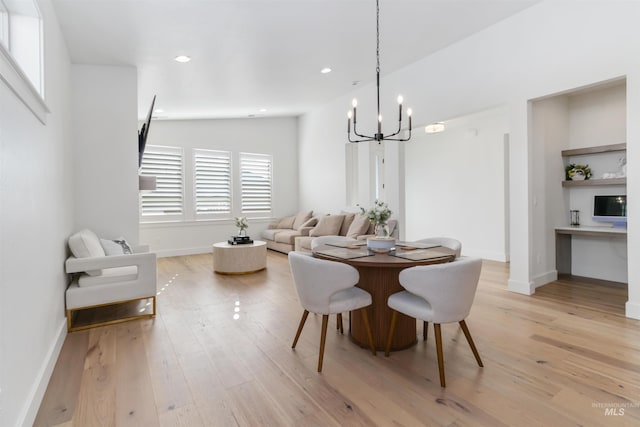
[(182, 252), (490, 255), (525, 288), (544, 278), (31, 407), (632, 310)]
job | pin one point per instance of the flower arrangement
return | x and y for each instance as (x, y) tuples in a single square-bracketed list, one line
[(241, 223), (378, 214), (574, 172)]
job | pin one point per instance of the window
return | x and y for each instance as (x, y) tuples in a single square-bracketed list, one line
[(21, 53), (255, 183), (166, 201), (212, 182), (4, 26)]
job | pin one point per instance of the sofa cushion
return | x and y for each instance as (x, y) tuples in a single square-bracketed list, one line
[(301, 218), (85, 244), (286, 223), (287, 236), (327, 226), (359, 226), (348, 219), (270, 233), (311, 222), (109, 275)]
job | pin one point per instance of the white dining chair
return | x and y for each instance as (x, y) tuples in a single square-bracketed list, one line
[(327, 287), (441, 293), (447, 242)]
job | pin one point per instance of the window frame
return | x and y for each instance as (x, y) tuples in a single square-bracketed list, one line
[(254, 213), (163, 150), (31, 94), (204, 152)]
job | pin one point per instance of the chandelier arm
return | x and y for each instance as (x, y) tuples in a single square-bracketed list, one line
[(361, 136), (360, 140)]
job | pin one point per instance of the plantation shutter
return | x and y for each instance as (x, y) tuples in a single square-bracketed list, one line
[(166, 164), (212, 182), (255, 183)]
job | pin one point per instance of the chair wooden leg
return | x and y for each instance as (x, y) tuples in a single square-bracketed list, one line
[(436, 328), (339, 323), (367, 326), (467, 334), (425, 329), (300, 326), (392, 327), (323, 339)]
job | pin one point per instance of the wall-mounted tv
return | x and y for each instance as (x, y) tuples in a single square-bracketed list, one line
[(143, 133), (611, 209)]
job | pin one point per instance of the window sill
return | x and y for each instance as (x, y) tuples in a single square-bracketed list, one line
[(199, 223), (17, 81)]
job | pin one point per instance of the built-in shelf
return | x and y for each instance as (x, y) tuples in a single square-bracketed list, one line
[(594, 150), (594, 182)]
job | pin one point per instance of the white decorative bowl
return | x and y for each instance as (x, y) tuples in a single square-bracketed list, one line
[(381, 243)]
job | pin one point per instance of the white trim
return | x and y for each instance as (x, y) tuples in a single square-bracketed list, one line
[(184, 251), (525, 288), (28, 413), (544, 278), (632, 310), (19, 83), (201, 222)]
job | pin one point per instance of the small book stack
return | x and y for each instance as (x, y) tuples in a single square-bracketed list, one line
[(240, 240)]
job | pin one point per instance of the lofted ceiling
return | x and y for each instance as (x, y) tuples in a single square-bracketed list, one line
[(253, 55)]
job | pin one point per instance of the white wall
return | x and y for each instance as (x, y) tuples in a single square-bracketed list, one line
[(275, 136), (105, 156), (455, 184), (36, 217), (548, 48)]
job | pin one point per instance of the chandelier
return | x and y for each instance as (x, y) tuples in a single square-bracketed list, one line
[(379, 136)]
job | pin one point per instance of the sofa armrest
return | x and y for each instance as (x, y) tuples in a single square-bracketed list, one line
[(304, 231), (143, 261)]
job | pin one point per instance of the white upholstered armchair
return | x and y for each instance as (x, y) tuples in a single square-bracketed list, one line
[(100, 279)]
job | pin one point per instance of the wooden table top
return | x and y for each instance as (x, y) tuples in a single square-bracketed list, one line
[(387, 260)]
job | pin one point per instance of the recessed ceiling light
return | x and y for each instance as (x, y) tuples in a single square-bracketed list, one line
[(325, 70), (263, 110), (158, 110), (434, 127), (182, 58)]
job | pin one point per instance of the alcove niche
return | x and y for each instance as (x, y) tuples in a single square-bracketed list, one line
[(592, 118)]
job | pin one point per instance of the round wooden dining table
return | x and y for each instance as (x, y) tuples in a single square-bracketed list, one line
[(379, 276)]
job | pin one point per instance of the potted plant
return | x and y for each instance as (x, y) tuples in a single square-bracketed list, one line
[(378, 215), (574, 172)]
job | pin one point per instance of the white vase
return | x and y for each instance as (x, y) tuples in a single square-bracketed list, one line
[(381, 243)]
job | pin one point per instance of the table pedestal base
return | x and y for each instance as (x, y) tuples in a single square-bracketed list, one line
[(382, 283)]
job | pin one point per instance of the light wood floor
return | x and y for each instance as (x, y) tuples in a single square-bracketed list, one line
[(557, 358)]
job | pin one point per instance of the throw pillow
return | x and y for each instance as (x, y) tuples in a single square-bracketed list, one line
[(85, 244), (117, 246), (358, 227), (348, 219), (301, 218), (311, 222), (286, 222), (327, 226)]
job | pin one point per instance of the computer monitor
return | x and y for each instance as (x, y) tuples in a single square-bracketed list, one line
[(611, 209)]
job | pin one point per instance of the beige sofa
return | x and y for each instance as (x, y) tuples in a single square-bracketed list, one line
[(280, 235), (297, 231)]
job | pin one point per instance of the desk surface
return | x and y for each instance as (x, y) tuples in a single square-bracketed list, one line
[(593, 231)]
